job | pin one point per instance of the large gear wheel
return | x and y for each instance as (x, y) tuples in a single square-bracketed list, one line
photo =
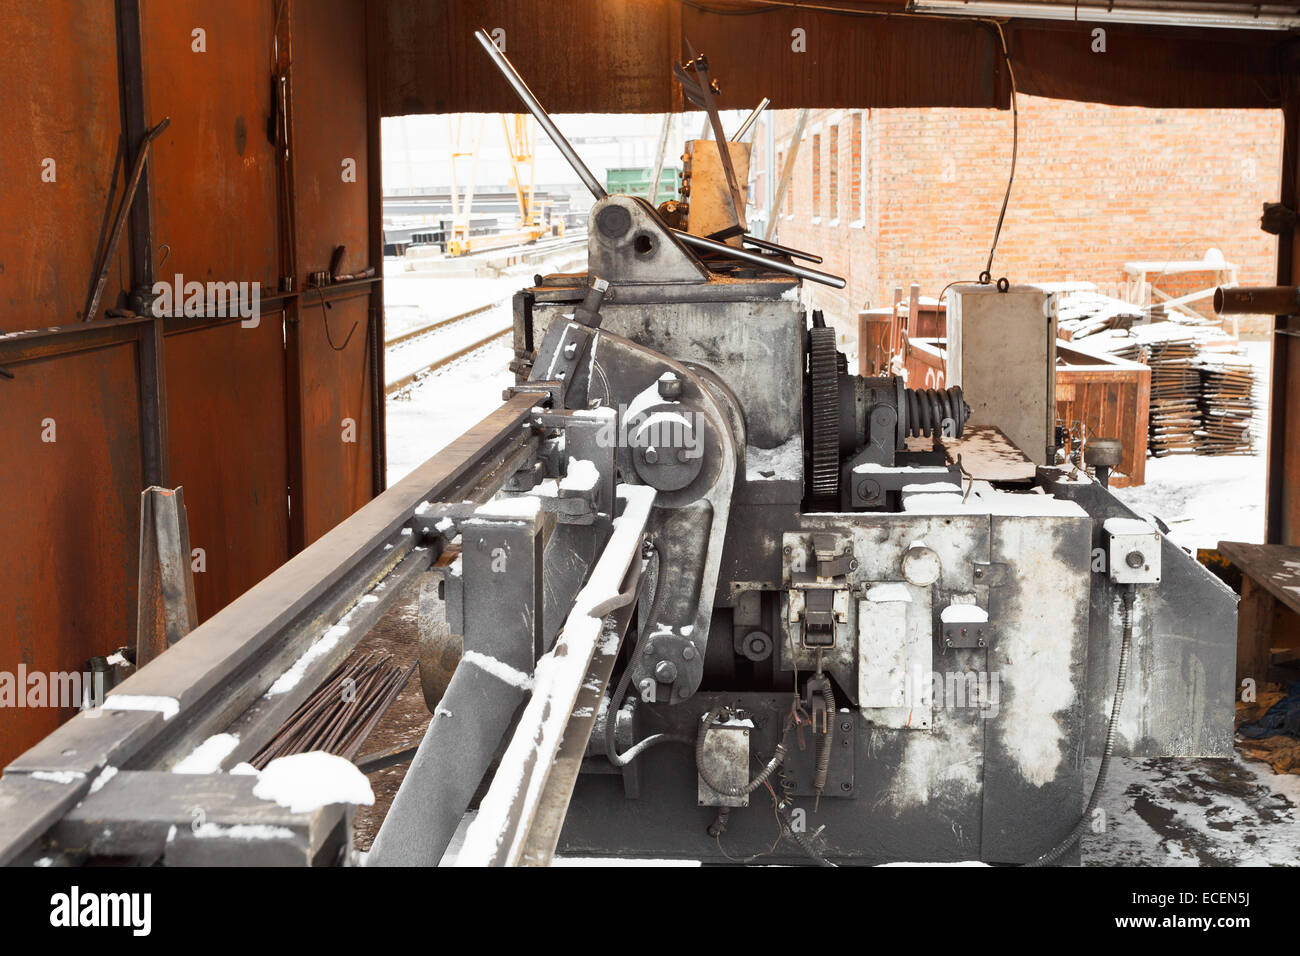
[(824, 391)]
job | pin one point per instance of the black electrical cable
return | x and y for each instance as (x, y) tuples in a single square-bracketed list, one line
[(778, 758), (1126, 646)]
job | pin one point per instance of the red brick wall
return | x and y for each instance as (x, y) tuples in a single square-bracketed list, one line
[(1095, 186)]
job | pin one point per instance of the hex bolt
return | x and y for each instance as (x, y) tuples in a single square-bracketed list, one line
[(670, 386), (666, 672), (1135, 559), (651, 455), (570, 349)]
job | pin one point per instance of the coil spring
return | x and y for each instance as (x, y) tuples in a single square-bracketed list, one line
[(931, 409)]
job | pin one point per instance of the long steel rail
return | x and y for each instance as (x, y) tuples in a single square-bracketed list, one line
[(217, 679)]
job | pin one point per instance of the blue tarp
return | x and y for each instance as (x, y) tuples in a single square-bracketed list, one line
[(1282, 718)]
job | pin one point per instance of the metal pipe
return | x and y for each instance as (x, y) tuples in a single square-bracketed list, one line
[(1258, 300), (539, 113), (750, 120), (789, 268)]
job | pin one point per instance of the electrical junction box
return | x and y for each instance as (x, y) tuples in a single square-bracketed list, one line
[(1133, 553)]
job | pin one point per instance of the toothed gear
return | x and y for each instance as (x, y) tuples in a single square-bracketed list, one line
[(823, 376)]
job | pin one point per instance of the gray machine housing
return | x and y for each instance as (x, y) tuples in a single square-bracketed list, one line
[(946, 744)]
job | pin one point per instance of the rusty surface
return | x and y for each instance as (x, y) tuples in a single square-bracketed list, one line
[(226, 406), (70, 510), (1149, 66), (581, 56), (59, 73), (213, 174), (333, 391), (333, 474), (600, 56)]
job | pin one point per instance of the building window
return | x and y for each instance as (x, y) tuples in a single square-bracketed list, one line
[(833, 209), (817, 175)]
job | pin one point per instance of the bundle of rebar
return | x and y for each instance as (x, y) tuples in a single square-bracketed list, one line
[(339, 716)]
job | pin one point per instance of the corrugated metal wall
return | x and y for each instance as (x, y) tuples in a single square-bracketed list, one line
[(268, 428)]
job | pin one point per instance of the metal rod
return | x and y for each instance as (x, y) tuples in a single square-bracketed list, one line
[(789, 268), (750, 120), (783, 250), (543, 118), (128, 199)]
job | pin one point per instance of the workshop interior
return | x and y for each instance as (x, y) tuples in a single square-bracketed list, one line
[(721, 433)]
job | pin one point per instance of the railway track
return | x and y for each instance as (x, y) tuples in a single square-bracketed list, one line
[(410, 374)]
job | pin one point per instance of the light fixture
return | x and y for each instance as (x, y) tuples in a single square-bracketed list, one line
[(1235, 16)]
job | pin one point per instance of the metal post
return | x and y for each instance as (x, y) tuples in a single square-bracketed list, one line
[(800, 121)]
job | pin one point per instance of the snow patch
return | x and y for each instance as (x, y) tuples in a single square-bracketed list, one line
[(207, 756), (306, 782), (498, 669)]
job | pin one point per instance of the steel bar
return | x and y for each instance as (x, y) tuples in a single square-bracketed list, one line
[(507, 814), (782, 250), (751, 120), (539, 113), (128, 200), (653, 195), (789, 268)]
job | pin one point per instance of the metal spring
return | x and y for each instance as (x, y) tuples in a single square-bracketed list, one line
[(930, 409)]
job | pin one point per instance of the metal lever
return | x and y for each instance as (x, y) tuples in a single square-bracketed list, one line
[(543, 118), (566, 149)]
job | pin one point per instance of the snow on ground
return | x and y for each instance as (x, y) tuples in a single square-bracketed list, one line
[(1196, 812), (439, 408), (402, 360), (1203, 499), (413, 299)]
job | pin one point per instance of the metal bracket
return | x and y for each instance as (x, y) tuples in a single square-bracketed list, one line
[(968, 634)]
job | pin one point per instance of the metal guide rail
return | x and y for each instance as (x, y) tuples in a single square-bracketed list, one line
[(101, 786)]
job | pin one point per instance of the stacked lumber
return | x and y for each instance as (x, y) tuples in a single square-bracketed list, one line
[(1228, 403), (1082, 313), (1172, 352)]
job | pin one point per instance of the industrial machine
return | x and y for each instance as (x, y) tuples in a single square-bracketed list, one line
[(712, 596)]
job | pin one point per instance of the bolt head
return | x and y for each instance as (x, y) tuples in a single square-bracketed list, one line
[(666, 672), (570, 349), (670, 387), (688, 653), (1135, 559)]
